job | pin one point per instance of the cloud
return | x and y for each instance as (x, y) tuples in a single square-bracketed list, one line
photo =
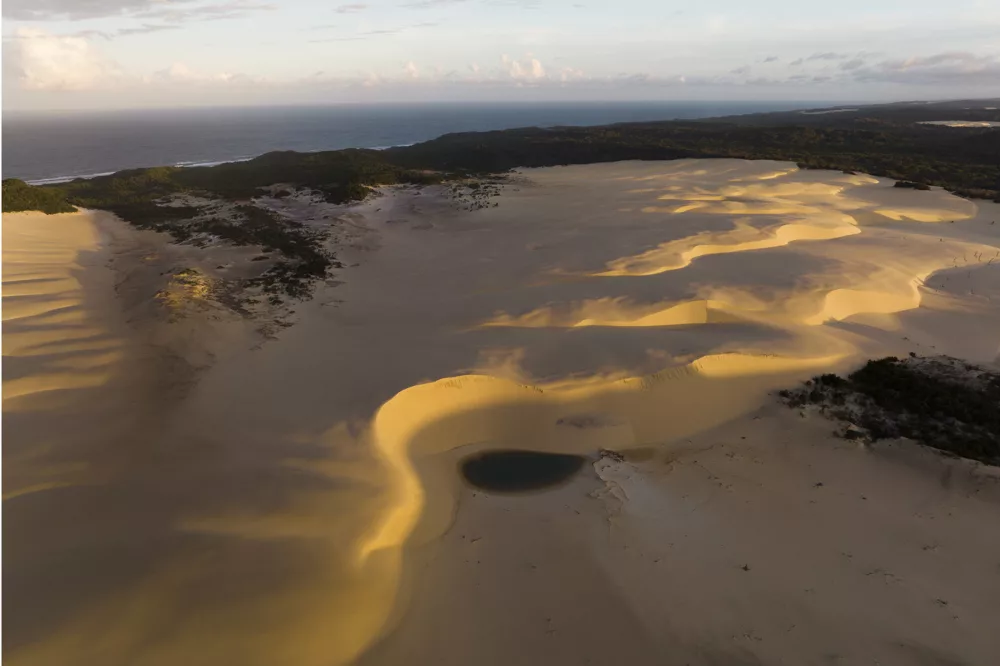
[(521, 4), (144, 29), (527, 70), (430, 4), (854, 63), (181, 73), (233, 9), (941, 69), (36, 60), (336, 39), (568, 74), (351, 9), (43, 61), (45, 10), (771, 59), (369, 33), (168, 10), (829, 55)]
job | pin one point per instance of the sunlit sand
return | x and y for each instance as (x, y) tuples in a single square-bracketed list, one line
[(963, 123), (299, 501)]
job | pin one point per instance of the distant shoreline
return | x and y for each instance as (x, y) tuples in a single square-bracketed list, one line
[(58, 180), (49, 146)]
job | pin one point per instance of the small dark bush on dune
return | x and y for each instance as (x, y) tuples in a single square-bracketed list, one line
[(912, 185)]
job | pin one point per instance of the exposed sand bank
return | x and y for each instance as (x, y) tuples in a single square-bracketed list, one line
[(962, 123), (298, 502)]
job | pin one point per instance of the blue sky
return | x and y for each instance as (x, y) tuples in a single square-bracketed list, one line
[(129, 53)]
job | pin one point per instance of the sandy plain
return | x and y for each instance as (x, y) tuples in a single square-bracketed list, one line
[(179, 490)]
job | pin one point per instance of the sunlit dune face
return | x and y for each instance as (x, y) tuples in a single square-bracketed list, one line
[(732, 279), (961, 123), (920, 214), (47, 329), (614, 312), (859, 269)]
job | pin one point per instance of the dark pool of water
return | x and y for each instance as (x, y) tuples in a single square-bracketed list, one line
[(517, 471)]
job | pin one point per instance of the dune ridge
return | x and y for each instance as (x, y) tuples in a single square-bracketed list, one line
[(644, 406), (43, 295), (284, 510)]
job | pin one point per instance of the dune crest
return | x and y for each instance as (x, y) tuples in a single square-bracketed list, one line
[(300, 502)]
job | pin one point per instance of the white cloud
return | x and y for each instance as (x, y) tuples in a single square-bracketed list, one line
[(43, 61), (942, 69), (568, 74), (430, 4), (351, 9), (528, 69), (35, 60), (181, 73), (40, 61)]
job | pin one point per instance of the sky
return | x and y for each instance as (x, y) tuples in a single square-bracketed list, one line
[(110, 54)]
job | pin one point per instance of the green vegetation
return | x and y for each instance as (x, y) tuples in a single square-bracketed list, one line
[(19, 196), (881, 140), (940, 402), (911, 185), (967, 165), (341, 176)]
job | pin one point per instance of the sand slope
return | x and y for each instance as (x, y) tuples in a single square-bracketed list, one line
[(61, 345), (300, 503)]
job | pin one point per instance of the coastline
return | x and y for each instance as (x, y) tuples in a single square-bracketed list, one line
[(336, 127), (270, 467), (56, 180)]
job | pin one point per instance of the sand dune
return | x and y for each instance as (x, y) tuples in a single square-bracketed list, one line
[(60, 346), (298, 501), (42, 294), (408, 427), (961, 123), (617, 312)]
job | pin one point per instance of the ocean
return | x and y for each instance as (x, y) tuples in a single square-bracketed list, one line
[(54, 146)]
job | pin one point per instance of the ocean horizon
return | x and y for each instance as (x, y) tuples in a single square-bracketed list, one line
[(59, 146)]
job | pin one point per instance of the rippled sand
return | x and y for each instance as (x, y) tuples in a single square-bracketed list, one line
[(299, 503)]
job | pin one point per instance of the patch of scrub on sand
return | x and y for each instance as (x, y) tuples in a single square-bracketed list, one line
[(941, 402)]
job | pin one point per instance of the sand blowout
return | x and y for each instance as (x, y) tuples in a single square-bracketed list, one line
[(745, 277)]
